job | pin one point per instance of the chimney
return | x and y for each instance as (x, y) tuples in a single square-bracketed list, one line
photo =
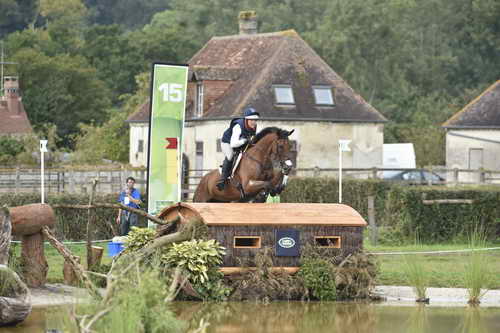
[(248, 22), (11, 91)]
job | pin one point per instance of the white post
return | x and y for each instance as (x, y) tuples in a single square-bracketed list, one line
[(43, 149), (340, 172), (343, 146)]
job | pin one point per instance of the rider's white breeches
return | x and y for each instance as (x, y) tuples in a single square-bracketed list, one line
[(227, 150)]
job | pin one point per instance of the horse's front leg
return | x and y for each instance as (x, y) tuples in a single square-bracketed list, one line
[(255, 186)]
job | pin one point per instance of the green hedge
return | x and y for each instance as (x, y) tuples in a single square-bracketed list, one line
[(400, 209), (355, 193), (71, 224)]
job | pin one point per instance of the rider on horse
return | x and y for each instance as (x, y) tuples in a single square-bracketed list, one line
[(235, 137)]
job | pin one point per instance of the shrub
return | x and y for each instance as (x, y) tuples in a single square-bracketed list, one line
[(195, 256), (138, 238), (319, 278)]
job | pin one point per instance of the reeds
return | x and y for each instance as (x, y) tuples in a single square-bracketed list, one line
[(477, 271), (417, 275)]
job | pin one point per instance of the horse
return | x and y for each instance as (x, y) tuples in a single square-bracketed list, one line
[(255, 173)]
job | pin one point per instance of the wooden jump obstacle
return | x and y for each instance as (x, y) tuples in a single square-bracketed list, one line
[(243, 229)]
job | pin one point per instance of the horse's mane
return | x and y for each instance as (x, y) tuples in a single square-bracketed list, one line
[(268, 130)]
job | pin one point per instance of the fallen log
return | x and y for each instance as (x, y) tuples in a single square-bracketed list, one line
[(152, 218), (29, 219), (80, 272)]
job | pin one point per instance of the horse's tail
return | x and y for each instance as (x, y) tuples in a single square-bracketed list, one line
[(201, 194)]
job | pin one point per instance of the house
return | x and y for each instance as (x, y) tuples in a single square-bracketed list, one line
[(284, 228), (14, 120), (284, 79), (473, 135)]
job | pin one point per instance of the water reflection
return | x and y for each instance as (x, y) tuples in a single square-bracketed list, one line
[(47, 320), (292, 317), (338, 317)]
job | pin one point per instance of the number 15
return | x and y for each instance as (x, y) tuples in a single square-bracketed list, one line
[(172, 92)]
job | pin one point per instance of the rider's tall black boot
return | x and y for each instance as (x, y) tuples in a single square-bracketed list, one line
[(226, 172)]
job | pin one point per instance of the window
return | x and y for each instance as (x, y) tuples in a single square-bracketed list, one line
[(199, 100), (323, 95), (327, 241), (140, 146), (284, 94), (250, 242), (199, 159), (219, 146)]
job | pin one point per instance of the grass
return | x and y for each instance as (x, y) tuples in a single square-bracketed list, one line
[(477, 268), (417, 275), (445, 270), (56, 261)]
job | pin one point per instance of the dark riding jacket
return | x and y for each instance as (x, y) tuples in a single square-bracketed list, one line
[(246, 133)]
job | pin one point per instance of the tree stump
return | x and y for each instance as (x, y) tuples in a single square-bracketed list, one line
[(35, 266), (5, 232), (96, 255), (69, 274), (15, 303), (27, 221), (14, 294)]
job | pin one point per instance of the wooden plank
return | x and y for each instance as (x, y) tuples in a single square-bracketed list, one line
[(272, 214), (239, 270), (448, 201)]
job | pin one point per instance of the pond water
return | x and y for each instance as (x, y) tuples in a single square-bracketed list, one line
[(291, 317)]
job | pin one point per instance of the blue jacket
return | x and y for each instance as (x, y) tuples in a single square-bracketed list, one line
[(245, 132), (134, 194)]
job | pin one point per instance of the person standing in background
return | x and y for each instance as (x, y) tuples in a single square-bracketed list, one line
[(130, 197)]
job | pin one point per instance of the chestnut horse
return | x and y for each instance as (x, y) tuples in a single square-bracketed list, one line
[(255, 173)]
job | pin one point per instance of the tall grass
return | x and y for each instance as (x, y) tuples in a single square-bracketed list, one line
[(417, 275), (477, 270)]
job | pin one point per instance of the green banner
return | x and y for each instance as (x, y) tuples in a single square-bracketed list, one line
[(168, 102)]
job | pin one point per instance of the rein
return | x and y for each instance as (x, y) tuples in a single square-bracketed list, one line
[(261, 164)]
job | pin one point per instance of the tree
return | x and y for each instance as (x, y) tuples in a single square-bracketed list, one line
[(62, 90), (16, 15), (111, 140), (130, 14)]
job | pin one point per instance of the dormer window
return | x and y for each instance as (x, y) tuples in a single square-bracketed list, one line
[(199, 100), (323, 95), (283, 94)]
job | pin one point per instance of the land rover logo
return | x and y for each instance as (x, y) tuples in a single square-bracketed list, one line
[(286, 242)]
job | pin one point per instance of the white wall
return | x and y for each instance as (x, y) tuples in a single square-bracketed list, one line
[(458, 150), (317, 142), (138, 131)]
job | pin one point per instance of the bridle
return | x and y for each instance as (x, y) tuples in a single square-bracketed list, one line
[(285, 164)]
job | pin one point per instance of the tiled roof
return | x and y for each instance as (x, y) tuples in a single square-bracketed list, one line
[(482, 112), (278, 58), (257, 62), (141, 115), (14, 120)]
